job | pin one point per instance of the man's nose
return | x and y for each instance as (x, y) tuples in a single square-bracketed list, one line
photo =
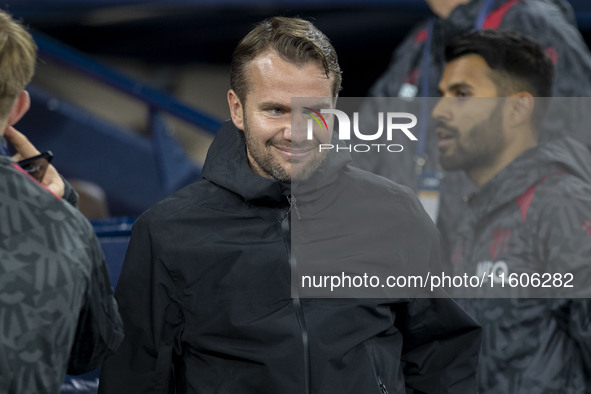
[(297, 128), (442, 110)]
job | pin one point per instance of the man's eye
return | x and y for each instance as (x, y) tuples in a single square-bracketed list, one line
[(463, 93), (276, 111)]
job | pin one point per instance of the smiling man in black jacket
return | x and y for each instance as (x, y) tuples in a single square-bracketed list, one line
[(206, 288)]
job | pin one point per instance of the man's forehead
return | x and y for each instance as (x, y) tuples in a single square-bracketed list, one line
[(469, 69), (269, 70), (263, 62), (270, 59)]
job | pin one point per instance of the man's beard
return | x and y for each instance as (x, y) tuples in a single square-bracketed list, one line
[(296, 171), (479, 147)]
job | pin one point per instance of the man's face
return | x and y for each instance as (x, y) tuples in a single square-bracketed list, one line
[(276, 148), (469, 126)]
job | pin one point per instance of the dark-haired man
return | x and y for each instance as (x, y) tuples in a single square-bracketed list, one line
[(206, 287), (418, 62), (417, 66), (527, 227)]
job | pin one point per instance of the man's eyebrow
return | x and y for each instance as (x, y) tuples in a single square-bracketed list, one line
[(272, 104), (459, 85), (319, 106)]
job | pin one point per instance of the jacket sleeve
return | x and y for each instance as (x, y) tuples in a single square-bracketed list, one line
[(151, 319), (579, 328), (441, 347), (70, 195), (441, 341), (402, 64), (564, 233), (100, 330)]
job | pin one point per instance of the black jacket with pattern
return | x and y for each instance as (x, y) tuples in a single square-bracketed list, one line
[(533, 217), (57, 310)]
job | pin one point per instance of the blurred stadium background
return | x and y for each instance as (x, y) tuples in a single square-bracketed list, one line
[(128, 94)]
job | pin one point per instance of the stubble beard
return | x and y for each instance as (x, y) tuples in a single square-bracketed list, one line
[(265, 160), (481, 147)]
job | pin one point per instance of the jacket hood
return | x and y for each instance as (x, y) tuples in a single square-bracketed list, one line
[(565, 8), (463, 16), (569, 155), (227, 166), (564, 155)]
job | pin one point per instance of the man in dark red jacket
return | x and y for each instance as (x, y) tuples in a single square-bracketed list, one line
[(416, 68), (527, 228), (418, 62)]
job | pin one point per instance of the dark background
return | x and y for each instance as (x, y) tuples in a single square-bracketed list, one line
[(364, 33)]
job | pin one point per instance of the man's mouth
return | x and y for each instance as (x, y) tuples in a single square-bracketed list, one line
[(294, 152), (445, 135)]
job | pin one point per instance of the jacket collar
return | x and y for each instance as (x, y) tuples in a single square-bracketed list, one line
[(226, 165), (318, 185), (3, 146), (464, 16)]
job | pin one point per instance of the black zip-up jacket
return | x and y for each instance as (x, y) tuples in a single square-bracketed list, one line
[(533, 217), (205, 296)]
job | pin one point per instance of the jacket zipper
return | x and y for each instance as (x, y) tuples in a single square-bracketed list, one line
[(295, 295), (381, 386), (293, 206)]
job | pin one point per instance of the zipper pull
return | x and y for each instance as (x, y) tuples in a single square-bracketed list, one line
[(292, 204), (382, 386)]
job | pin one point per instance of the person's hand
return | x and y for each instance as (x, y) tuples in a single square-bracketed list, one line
[(52, 180)]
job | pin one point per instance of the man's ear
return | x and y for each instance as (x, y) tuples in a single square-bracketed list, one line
[(521, 107), (236, 109), (19, 108)]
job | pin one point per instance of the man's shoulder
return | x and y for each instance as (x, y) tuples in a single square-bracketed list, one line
[(537, 16), (397, 202), (184, 201), (558, 197), (563, 188), (373, 183), (416, 36), (36, 207), (40, 230)]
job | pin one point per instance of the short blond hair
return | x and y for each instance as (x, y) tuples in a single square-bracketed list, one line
[(18, 53)]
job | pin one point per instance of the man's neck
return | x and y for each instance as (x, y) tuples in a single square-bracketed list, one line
[(443, 8), (482, 175)]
